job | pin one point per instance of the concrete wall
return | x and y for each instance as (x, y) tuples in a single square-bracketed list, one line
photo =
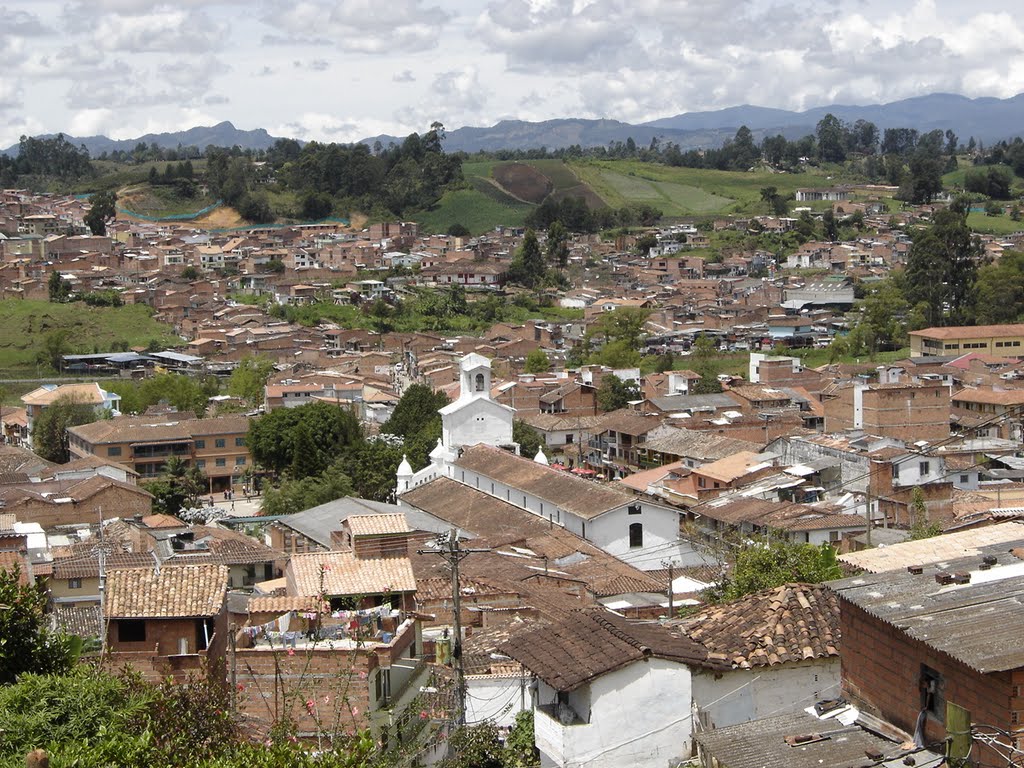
[(637, 715), (749, 694)]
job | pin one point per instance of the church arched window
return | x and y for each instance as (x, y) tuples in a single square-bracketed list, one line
[(479, 382)]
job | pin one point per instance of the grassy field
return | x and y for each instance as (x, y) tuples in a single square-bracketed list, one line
[(478, 211), (26, 325), (161, 201), (956, 178), (686, 191), (994, 225)]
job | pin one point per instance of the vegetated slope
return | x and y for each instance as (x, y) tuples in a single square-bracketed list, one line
[(523, 182), (27, 323)]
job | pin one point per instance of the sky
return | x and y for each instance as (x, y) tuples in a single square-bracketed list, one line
[(343, 70)]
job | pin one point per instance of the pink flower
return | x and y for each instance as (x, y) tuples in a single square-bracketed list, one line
[(355, 711), (241, 687), (327, 699), (423, 715), (310, 706), (362, 675), (291, 651), (326, 566)]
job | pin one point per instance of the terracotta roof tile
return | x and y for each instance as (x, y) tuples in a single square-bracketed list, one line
[(791, 623), (342, 573), (377, 525), (587, 644), (169, 592)]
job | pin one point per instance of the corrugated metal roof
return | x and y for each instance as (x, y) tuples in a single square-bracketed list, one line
[(977, 623)]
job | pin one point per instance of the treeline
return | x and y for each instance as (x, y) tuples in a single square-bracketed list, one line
[(576, 216), (333, 178), (948, 281), (55, 158)]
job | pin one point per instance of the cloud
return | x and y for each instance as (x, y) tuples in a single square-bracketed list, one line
[(356, 26), (316, 65), (11, 95), (163, 29), (214, 99), (405, 76)]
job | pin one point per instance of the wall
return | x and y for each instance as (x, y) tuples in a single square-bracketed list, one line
[(881, 673), (496, 697), (742, 695), (121, 502), (162, 636), (637, 715)]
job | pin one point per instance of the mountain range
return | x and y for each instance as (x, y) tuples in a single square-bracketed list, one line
[(986, 119)]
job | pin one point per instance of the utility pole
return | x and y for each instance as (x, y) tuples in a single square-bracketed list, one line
[(453, 553), (103, 587), (867, 500)]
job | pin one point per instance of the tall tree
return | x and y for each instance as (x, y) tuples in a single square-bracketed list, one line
[(250, 377), (831, 137), (527, 268), (613, 393), (942, 269), (179, 487), (26, 645), (102, 208), (50, 428)]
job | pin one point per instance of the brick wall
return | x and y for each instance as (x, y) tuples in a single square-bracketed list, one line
[(881, 670), (114, 500), (273, 685)]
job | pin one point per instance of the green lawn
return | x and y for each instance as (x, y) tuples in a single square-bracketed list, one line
[(160, 201), (994, 225), (26, 325), (479, 212)]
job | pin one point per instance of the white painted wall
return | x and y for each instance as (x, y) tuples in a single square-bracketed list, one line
[(635, 716), (749, 694), (497, 698), (479, 420)]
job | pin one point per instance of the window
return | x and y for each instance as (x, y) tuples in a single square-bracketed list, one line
[(220, 442), (114, 450), (200, 463), (635, 509), (636, 535), (895, 471), (933, 693), (240, 460), (965, 478), (222, 462), (382, 687), (701, 482), (833, 536), (239, 442), (200, 444), (924, 468), (569, 437), (131, 631), (74, 583), (479, 386)]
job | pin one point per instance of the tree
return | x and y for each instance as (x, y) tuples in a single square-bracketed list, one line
[(416, 409), (178, 488), (520, 745), (920, 526), (250, 377), (772, 563), (829, 225), (293, 496), (625, 324), (371, 466), (831, 139), (190, 273), (458, 230), (103, 206), (50, 428), (777, 204), (558, 245), (59, 289), (999, 290), (26, 645), (528, 438), (613, 393), (942, 269), (273, 437), (475, 746), (527, 268), (537, 362)]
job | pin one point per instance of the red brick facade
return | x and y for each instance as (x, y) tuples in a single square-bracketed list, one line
[(882, 669)]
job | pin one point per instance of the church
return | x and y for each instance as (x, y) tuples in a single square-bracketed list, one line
[(476, 449)]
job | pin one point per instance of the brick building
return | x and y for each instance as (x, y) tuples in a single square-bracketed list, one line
[(216, 445), (890, 410), (948, 631)]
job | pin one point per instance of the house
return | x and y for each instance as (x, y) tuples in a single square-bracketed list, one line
[(782, 647), (610, 693), (838, 738), (145, 443), (941, 630), (166, 611), (38, 400), (891, 410)]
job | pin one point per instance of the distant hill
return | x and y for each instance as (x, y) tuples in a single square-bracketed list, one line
[(221, 135), (986, 119)]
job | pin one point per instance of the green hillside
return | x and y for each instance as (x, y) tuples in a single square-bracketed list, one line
[(27, 324)]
